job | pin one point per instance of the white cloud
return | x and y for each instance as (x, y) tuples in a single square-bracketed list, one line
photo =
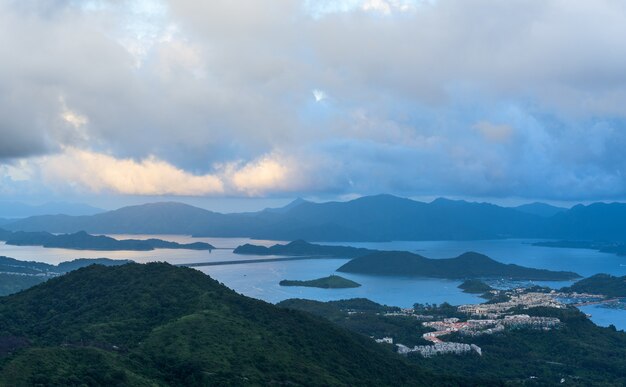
[(319, 95), (97, 172)]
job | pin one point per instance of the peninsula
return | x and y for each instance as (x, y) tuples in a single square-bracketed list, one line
[(83, 241), (465, 266)]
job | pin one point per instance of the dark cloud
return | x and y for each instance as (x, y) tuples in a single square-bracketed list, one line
[(450, 97)]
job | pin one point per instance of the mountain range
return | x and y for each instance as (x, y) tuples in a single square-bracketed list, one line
[(23, 210), (370, 218)]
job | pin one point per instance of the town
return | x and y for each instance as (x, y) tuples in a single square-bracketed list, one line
[(489, 318)]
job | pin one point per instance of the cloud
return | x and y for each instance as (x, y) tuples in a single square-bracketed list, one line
[(319, 95), (94, 172), (494, 132), (430, 97), (98, 172)]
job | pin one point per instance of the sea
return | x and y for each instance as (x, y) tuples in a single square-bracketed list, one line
[(260, 280)]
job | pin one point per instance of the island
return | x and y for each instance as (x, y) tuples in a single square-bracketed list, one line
[(469, 265), (604, 284), (302, 248), (83, 241), (330, 282), (475, 286)]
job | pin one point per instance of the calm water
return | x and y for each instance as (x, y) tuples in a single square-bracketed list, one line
[(261, 280)]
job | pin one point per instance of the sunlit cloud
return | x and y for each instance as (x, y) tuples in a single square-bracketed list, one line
[(98, 172)]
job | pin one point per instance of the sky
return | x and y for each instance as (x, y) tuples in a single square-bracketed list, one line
[(227, 102)]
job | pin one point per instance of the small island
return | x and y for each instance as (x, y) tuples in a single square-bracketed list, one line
[(83, 241), (330, 282), (475, 286)]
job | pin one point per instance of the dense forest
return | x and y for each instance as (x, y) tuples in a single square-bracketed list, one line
[(157, 324), (579, 352)]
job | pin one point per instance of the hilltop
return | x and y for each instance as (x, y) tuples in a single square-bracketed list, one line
[(467, 265), (157, 324), (17, 275)]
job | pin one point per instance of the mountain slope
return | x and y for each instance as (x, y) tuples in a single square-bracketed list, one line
[(164, 325), (467, 265), (540, 209)]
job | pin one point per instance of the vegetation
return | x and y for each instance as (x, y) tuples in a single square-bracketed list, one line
[(17, 275), (330, 282), (301, 247), (475, 286), (159, 325), (468, 265), (83, 241), (580, 352), (604, 284), (365, 317)]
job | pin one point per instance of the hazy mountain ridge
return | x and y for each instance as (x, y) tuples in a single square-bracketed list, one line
[(371, 218), (22, 210)]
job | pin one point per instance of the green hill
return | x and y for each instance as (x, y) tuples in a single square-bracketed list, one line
[(467, 265), (17, 275), (475, 286), (604, 284), (330, 282), (159, 325)]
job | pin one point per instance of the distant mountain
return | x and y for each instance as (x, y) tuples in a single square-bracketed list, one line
[(598, 222), (288, 207), (158, 325), (83, 241), (540, 209), (22, 210), (301, 247), (371, 218), (468, 265), (604, 284)]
